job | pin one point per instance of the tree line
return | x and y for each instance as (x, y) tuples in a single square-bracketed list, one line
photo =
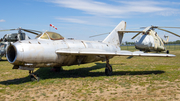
[(174, 42)]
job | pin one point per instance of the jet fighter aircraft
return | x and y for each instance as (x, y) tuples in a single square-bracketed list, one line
[(50, 49)]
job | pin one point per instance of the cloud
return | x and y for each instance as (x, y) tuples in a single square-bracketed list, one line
[(169, 13), (88, 20), (2, 20), (142, 6), (72, 20), (88, 6), (117, 8)]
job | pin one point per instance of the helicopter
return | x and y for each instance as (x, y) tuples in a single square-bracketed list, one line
[(13, 37), (149, 41)]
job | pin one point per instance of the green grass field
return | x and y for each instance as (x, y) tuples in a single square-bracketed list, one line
[(133, 79)]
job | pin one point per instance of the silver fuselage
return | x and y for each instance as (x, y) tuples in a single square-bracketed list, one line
[(42, 52)]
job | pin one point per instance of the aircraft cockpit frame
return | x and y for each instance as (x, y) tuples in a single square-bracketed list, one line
[(50, 36)]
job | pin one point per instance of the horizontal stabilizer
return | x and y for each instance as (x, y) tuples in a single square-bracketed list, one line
[(125, 31), (88, 51)]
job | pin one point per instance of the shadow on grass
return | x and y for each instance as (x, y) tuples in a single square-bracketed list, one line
[(45, 73), (130, 57)]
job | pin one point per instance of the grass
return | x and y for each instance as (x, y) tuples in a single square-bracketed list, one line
[(136, 78)]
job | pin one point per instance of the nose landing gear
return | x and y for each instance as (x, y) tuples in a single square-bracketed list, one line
[(33, 76)]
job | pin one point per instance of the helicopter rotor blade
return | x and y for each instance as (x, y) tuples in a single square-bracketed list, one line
[(135, 35), (98, 35), (27, 30), (8, 30), (32, 31), (170, 27), (144, 31), (142, 27), (168, 32)]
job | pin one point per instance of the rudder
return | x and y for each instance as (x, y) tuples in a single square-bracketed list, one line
[(115, 37)]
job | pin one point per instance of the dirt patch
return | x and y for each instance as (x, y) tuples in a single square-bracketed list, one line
[(99, 90)]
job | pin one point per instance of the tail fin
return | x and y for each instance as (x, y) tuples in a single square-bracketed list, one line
[(115, 37)]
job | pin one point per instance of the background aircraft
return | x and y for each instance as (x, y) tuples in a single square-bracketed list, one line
[(150, 41), (52, 50), (11, 38)]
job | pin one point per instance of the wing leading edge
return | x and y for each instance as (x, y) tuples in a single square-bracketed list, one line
[(87, 51)]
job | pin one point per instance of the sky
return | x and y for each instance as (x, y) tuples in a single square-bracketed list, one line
[(80, 19)]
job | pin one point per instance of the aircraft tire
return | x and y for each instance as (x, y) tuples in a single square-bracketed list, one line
[(167, 51), (107, 71)]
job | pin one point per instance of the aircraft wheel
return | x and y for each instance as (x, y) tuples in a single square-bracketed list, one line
[(34, 77), (108, 70), (167, 51)]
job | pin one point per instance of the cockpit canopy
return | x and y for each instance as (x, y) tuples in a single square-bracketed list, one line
[(50, 35)]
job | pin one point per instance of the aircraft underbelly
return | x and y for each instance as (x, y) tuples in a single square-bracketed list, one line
[(65, 61), (77, 60)]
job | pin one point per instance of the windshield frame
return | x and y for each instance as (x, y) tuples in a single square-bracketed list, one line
[(50, 36)]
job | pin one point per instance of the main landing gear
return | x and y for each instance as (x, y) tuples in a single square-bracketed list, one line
[(108, 69), (33, 76), (167, 51)]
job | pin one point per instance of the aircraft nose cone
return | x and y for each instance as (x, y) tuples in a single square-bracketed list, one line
[(144, 41), (143, 45)]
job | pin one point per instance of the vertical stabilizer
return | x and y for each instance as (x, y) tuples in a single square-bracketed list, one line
[(114, 37)]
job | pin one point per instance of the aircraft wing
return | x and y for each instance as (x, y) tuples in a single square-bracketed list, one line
[(88, 51)]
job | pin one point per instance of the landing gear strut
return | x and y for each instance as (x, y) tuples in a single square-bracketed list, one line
[(33, 76), (108, 69)]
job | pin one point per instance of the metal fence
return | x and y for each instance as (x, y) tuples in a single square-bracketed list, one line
[(172, 46)]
